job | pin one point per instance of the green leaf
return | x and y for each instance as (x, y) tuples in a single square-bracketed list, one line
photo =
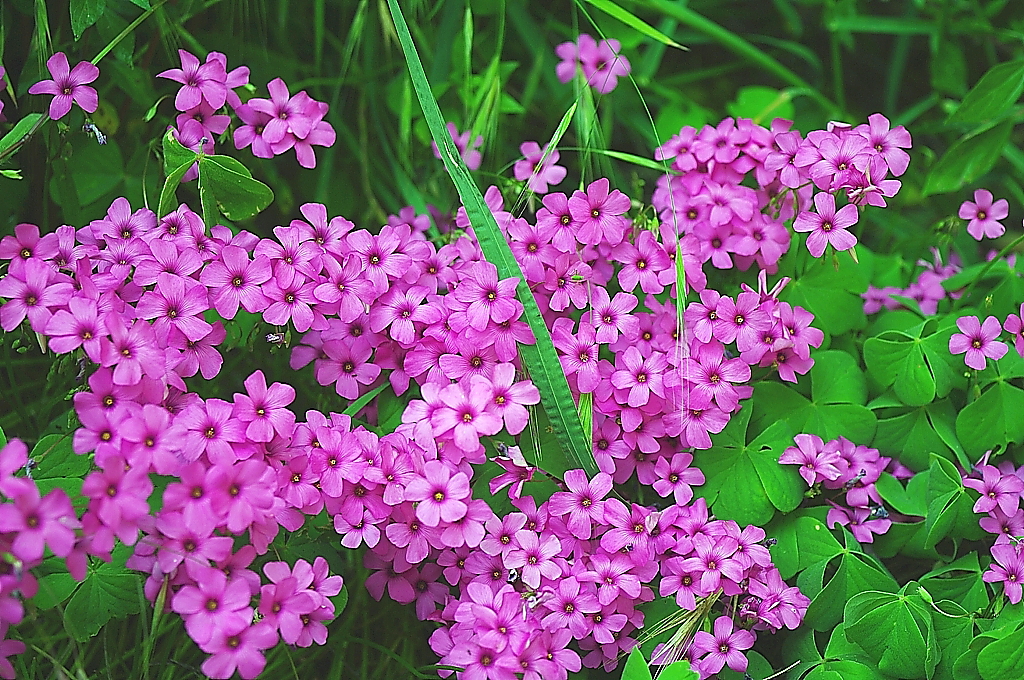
[(237, 194), (802, 542), (836, 407), (950, 507), (680, 670), (18, 132), (995, 93), (636, 667), (994, 419), (857, 573), (912, 436), (744, 482), (762, 104), (902, 500), (897, 359), (895, 630), (959, 582), (968, 159), (541, 359), (176, 155), (55, 457), (84, 14), (953, 635), (634, 22), (95, 170), (1003, 658), (832, 295), (108, 591), (53, 589), (167, 194)]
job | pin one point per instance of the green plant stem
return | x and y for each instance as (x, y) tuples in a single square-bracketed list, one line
[(1002, 253)]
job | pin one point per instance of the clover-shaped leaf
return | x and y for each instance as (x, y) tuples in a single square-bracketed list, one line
[(836, 407), (832, 295), (993, 420), (950, 507), (744, 481), (895, 630)]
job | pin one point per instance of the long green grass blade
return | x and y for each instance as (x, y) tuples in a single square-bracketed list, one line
[(634, 22), (540, 359)]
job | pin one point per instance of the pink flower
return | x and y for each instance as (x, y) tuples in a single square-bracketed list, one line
[(440, 493), (68, 85), (978, 340), (817, 463), (599, 212), (1008, 568), (984, 215), (828, 226), (724, 647), (265, 409), (537, 170)]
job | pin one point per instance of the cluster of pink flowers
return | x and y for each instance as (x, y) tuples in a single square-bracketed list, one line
[(29, 524), (601, 62), (1001, 488), (926, 290), (130, 291), (841, 465), (269, 126), (733, 222)]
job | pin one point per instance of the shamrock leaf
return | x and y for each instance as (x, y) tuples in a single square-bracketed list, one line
[(895, 630), (744, 481), (993, 420), (836, 407)]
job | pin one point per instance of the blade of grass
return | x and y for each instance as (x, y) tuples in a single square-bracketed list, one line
[(540, 359), (634, 22)]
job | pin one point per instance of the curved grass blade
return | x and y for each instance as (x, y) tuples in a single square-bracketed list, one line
[(540, 359), (635, 22)]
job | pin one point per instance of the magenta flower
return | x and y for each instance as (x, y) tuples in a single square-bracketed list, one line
[(508, 397), (265, 409), (984, 215), (537, 170), (978, 340), (233, 280), (441, 494), (238, 646), (198, 82), (817, 463), (997, 490), (68, 85), (1014, 325), (467, 414), (487, 298), (1008, 568), (828, 226), (35, 521), (675, 477), (579, 356), (724, 647), (583, 502), (599, 212), (641, 376)]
